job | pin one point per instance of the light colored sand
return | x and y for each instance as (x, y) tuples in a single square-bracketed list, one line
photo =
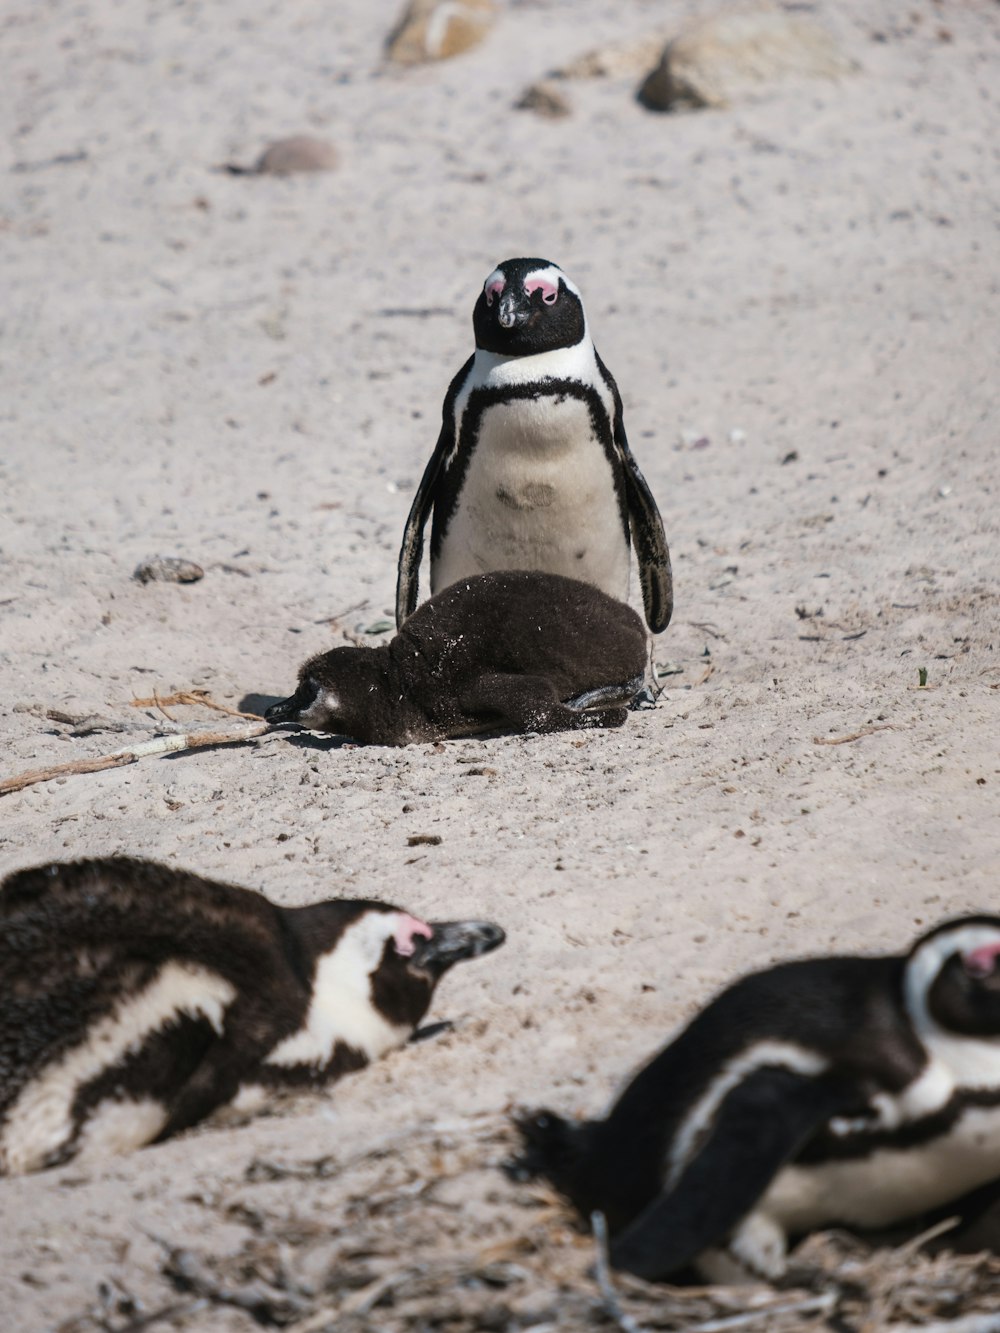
[(234, 370)]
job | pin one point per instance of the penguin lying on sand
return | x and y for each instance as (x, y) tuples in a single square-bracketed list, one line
[(515, 650), (135, 999), (858, 1091), (532, 469)]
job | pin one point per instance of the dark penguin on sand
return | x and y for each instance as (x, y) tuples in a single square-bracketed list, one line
[(516, 650), (135, 999), (855, 1091), (532, 468)]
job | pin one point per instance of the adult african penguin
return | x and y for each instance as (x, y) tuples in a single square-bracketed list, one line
[(851, 1090), (135, 999), (532, 468), (515, 650)]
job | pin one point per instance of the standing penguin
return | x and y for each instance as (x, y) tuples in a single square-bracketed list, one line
[(858, 1091), (135, 999), (532, 469)]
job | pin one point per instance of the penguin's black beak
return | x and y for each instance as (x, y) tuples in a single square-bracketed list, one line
[(515, 309), (454, 941), (291, 709)]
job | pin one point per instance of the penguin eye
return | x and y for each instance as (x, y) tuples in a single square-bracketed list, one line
[(550, 293), (493, 288)]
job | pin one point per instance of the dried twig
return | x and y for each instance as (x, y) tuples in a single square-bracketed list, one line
[(191, 740), (192, 697), (976, 1323), (625, 1322), (852, 736), (259, 1299), (817, 1306)]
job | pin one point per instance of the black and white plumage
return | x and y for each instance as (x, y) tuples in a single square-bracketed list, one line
[(532, 468), (135, 999), (514, 650), (854, 1091)]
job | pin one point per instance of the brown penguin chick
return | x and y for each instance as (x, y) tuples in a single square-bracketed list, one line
[(136, 999), (514, 650)]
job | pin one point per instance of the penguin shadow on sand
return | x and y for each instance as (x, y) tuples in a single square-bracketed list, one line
[(138, 999), (852, 1091)]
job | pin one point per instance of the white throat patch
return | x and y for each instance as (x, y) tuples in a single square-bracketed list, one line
[(972, 1062), (323, 708), (342, 1009)]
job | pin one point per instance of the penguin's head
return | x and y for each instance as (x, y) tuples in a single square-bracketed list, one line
[(528, 306), (338, 691), (369, 955), (952, 977), (308, 706)]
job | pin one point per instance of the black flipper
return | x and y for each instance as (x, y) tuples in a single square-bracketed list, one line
[(225, 1064), (412, 549), (759, 1127), (648, 536)]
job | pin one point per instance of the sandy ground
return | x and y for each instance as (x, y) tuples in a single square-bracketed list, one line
[(798, 298)]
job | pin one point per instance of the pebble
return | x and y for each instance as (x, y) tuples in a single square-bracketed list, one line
[(167, 569)]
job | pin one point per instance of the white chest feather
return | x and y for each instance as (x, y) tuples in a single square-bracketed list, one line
[(890, 1184), (341, 1009), (538, 493)]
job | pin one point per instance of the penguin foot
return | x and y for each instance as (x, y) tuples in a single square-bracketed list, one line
[(547, 1145), (644, 700)]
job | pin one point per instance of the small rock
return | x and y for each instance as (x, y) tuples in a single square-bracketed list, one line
[(717, 60), (284, 157), (439, 29), (545, 99), (301, 152), (424, 840), (167, 569)]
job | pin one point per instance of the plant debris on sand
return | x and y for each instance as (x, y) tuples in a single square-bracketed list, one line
[(427, 1234)]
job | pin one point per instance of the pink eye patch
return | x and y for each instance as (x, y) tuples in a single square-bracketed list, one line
[(549, 290), (493, 289), (980, 962), (407, 931)]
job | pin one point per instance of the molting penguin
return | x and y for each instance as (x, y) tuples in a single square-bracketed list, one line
[(532, 469), (858, 1091), (135, 999), (513, 650)]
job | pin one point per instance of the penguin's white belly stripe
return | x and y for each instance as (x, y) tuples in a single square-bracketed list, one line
[(889, 1184), (538, 493), (764, 1055), (41, 1119)]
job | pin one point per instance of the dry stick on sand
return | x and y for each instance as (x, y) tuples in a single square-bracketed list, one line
[(191, 740), (193, 697), (612, 1309), (852, 736)]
